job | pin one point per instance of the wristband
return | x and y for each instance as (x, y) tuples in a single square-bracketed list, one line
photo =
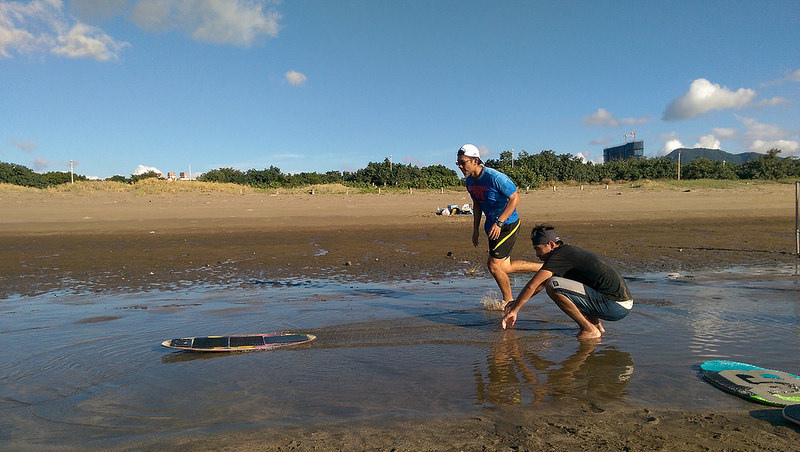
[(499, 223)]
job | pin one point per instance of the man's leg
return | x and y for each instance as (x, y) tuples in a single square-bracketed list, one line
[(500, 268), (589, 330)]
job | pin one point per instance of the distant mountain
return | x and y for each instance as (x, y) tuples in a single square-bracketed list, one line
[(687, 155)]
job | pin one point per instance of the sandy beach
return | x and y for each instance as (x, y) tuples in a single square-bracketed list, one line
[(129, 241), (124, 242)]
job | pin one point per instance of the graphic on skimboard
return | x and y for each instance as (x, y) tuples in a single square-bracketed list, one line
[(757, 384), (792, 413), (238, 343)]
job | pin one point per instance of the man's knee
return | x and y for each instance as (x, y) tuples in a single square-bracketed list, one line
[(497, 265)]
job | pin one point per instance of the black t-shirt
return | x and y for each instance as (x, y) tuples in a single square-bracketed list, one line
[(577, 264)]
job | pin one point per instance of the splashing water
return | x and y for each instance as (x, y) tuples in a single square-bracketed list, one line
[(492, 302)]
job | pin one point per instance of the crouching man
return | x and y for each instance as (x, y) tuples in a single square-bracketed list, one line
[(581, 284)]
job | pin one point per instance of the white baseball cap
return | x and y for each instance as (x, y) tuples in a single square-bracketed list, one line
[(470, 150)]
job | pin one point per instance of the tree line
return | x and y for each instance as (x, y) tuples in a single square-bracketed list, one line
[(526, 170), (531, 170), (384, 174)]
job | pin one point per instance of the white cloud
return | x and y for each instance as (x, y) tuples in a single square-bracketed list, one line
[(84, 41), (759, 137), (27, 147), (604, 118), (759, 131), (670, 146), (601, 118), (792, 77), (708, 142), (581, 157), (704, 96), (295, 78), (98, 9), (42, 26), (41, 164), (141, 169), (235, 22), (600, 141), (772, 102), (787, 147)]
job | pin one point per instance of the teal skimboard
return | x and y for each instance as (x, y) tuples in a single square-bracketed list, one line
[(756, 384)]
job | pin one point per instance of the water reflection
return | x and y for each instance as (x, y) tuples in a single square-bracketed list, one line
[(516, 374)]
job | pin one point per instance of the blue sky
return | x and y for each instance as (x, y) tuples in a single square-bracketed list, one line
[(121, 85)]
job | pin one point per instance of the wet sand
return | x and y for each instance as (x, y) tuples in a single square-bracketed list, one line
[(121, 242)]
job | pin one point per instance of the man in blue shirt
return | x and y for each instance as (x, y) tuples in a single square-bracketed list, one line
[(495, 195)]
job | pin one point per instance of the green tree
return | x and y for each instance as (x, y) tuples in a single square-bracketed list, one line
[(148, 175), (703, 168), (224, 175)]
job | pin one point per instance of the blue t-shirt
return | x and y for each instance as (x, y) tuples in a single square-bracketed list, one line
[(491, 191)]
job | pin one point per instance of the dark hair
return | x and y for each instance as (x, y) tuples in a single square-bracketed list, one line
[(544, 229)]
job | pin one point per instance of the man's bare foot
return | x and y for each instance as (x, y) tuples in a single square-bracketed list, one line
[(596, 322), (594, 333)]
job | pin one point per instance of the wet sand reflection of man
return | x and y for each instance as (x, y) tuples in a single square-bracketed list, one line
[(516, 373)]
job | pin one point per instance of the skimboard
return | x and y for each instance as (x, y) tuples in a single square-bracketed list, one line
[(756, 384), (792, 413), (238, 343)]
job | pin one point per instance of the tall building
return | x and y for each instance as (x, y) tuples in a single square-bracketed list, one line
[(634, 149)]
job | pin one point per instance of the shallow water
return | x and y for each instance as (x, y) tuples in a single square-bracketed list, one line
[(88, 370)]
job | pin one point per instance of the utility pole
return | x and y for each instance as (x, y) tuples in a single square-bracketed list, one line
[(71, 177), (679, 166)]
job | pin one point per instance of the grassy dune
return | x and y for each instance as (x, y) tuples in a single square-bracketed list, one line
[(158, 186)]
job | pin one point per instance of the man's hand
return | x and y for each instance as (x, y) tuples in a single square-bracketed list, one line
[(475, 235), (494, 233), (510, 314), (509, 320)]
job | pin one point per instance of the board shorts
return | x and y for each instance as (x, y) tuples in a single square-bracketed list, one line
[(501, 248), (589, 301)]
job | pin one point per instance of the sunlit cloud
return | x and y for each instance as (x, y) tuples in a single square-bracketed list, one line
[(141, 169), (295, 78), (791, 77), (604, 118), (42, 26), (233, 22), (759, 137), (670, 146), (708, 142), (704, 96)]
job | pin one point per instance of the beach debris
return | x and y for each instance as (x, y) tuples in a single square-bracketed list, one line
[(454, 209)]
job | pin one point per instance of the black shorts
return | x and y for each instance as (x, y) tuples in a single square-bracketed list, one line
[(501, 248)]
